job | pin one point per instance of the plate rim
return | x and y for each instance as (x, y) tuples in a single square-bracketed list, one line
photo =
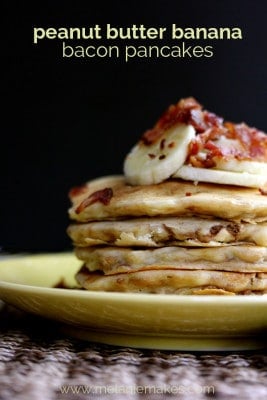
[(143, 339), (133, 297), (152, 297)]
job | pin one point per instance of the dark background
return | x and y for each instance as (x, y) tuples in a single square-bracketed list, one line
[(65, 121)]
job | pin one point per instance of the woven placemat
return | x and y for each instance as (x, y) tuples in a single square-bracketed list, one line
[(36, 362)]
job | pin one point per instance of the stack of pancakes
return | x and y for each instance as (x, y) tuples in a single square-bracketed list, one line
[(172, 237)]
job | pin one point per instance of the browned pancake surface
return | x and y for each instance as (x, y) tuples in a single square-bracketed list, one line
[(111, 198), (176, 282), (160, 232), (112, 260)]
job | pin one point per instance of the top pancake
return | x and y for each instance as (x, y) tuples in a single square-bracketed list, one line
[(111, 198)]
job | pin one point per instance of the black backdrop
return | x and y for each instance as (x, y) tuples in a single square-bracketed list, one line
[(65, 121)]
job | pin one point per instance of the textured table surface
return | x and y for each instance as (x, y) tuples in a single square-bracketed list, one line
[(37, 362)]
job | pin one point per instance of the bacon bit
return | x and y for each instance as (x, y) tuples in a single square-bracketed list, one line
[(104, 196), (263, 191), (162, 144), (215, 150), (198, 121), (182, 112), (233, 229), (77, 190), (212, 119), (252, 145), (151, 155), (253, 141), (162, 156), (189, 103), (150, 136), (209, 162), (193, 148), (188, 194), (187, 111), (171, 145), (215, 229), (195, 162)]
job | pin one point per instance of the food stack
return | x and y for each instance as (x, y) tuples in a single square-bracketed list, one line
[(189, 215)]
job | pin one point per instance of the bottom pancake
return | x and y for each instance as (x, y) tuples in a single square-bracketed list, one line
[(169, 281)]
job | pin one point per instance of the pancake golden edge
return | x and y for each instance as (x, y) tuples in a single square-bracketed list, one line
[(160, 232), (114, 260), (184, 200), (196, 282), (169, 198)]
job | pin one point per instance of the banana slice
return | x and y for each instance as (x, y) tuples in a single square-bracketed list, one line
[(153, 163), (252, 167), (187, 172)]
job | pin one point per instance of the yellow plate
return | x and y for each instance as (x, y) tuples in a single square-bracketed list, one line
[(137, 320)]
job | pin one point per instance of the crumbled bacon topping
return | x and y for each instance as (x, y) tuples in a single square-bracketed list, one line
[(187, 111), (253, 140), (251, 145), (205, 148), (104, 196)]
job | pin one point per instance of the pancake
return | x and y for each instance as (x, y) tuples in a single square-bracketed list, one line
[(159, 232), (176, 282), (189, 216), (113, 260), (111, 198)]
